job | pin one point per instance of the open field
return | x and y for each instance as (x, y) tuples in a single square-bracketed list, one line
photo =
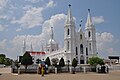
[(113, 75)]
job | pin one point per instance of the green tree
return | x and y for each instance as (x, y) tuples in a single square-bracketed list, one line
[(47, 61), (74, 64), (62, 62), (26, 60), (95, 60), (2, 58), (7, 61)]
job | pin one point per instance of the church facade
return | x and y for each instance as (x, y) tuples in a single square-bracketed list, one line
[(77, 44)]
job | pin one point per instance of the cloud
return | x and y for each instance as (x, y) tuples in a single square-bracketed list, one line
[(105, 44), (50, 4), (32, 18), (33, 1), (4, 17), (98, 19), (56, 21), (19, 29), (2, 28), (103, 39), (3, 3), (3, 44)]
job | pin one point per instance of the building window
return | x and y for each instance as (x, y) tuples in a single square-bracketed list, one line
[(86, 51), (81, 49), (68, 45), (89, 34), (81, 36), (68, 32), (90, 46), (76, 51)]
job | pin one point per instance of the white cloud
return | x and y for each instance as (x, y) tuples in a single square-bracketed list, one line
[(2, 28), (3, 3), (50, 4), (103, 39), (98, 19), (32, 18), (19, 29), (3, 44), (33, 1), (56, 21), (4, 17), (106, 43)]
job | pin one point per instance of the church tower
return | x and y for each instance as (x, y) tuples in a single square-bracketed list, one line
[(69, 35), (52, 45), (90, 36)]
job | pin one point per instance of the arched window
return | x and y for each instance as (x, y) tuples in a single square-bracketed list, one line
[(86, 51), (76, 51), (81, 36), (81, 49), (89, 34), (68, 32), (68, 45), (90, 46)]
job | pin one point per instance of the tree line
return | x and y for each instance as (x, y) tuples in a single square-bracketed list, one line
[(4, 60)]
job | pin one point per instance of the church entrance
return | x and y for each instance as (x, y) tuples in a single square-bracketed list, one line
[(81, 59)]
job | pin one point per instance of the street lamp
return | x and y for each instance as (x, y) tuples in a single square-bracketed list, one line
[(68, 64)]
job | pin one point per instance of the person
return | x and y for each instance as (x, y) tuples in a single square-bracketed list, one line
[(42, 71), (39, 69), (106, 68)]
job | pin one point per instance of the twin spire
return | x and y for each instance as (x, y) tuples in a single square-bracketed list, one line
[(89, 20), (69, 19)]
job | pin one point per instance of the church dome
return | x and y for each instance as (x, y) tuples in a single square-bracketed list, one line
[(51, 41)]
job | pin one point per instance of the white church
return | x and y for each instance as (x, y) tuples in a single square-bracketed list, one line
[(77, 44)]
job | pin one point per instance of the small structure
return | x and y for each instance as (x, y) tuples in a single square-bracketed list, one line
[(116, 58)]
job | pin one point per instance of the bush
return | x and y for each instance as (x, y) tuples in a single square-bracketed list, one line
[(95, 60)]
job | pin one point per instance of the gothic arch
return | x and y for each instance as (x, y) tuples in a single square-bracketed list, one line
[(86, 51), (68, 32), (80, 36), (89, 34), (81, 49), (76, 51)]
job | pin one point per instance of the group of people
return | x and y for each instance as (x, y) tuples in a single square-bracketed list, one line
[(102, 68)]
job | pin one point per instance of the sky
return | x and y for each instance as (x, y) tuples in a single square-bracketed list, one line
[(31, 20)]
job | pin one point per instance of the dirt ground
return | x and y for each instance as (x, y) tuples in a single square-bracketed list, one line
[(112, 75)]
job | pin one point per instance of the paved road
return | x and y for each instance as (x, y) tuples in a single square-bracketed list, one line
[(113, 75)]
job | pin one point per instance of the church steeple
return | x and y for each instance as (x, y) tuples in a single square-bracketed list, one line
[(89, 20), (24, 46), (69, 19), (51, 34)]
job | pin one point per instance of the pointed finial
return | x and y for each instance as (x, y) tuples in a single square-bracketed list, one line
[(88, 10), (80, 25), (80, 22), (69, 5)]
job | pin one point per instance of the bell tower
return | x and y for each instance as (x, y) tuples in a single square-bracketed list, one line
[(90, 34), (69, 34)]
